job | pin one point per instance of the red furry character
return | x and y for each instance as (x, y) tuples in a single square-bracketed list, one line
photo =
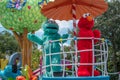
[(85, 25)]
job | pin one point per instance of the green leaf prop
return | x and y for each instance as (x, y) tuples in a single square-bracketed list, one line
[(28, 16)]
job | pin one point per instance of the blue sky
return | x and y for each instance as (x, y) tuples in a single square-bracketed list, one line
[(1, 28)]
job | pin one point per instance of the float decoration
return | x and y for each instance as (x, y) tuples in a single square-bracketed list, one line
[(17, 4), (12, 70), (20, 22), (27, 74), (74, 9), (62, 9)]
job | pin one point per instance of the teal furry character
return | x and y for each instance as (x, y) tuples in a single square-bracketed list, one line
[(50, 29)]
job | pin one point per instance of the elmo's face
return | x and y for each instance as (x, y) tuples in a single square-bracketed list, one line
[(86, 21)]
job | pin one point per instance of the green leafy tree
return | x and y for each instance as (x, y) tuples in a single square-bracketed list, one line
[(8, 44), (21, 22), (109, 24)]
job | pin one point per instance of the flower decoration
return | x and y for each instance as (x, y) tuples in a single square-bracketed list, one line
[(17, 4)]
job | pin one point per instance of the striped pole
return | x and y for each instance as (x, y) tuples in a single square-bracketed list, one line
[(75, 34), (74, 18), (37, 72)]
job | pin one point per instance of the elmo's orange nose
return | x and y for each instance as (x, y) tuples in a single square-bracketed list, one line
[(89, 18)]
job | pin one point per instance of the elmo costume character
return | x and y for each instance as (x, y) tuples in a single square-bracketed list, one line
[(85, 25)]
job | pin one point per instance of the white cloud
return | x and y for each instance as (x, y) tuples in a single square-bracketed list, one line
[(64, 26)]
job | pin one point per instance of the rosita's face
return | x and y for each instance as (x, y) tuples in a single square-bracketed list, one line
[(50, 27)]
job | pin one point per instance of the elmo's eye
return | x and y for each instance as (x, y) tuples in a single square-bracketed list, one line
[(88, 14), (85, 15)]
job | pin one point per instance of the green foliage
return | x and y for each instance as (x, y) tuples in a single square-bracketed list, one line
[(8, 44), (36, 59), (28, 17), (109, 24)]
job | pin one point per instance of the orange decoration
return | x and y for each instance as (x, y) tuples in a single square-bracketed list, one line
[(34, 78), (62, 9), (20, 78)]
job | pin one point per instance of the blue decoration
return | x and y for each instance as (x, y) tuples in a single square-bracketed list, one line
[(108, 42), (78, 78), (50, 33), (17, 4), (12, 70), (41, 2), (7, 73), (16, 58), (75, 38)]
